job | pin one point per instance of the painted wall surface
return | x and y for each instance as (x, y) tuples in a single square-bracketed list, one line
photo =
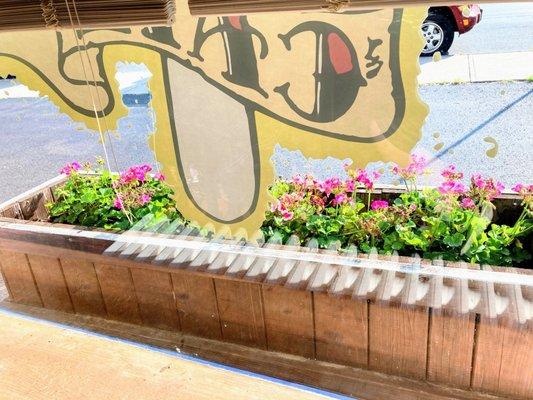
[(227, 90)]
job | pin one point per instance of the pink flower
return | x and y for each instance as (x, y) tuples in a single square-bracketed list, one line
[(363, 178), (414, 168), (468, 203), (298, 180), (118, 203), (287, 215), (379, 204), (135, 173), (350, 185), (339, 199), (69, 168), (518, 188), (145, 198), (452, 187), (329, 185), (159, 177), (526, 191), (486, 189), (451, 173)]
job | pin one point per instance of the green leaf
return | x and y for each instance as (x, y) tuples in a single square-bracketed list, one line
[(455, 240)]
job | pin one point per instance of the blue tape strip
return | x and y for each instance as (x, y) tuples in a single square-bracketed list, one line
[(325, 393)]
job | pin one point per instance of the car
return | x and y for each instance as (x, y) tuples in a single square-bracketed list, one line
[(442, 22)]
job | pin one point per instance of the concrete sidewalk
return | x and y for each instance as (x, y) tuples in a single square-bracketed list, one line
[(477, 68), (42, 361)]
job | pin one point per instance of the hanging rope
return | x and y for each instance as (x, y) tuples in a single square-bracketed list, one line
[(100, 104), (102, 139)]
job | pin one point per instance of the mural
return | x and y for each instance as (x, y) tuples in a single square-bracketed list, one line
[(227, 90)]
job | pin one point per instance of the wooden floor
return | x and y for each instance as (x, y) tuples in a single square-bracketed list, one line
[(43, 361)]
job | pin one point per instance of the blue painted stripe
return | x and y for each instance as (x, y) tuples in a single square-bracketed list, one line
[(304, 388)]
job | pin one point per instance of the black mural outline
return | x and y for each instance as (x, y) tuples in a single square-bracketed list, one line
[(330, 86), (161, 34), (373, 44), (236, 42), (397, 86), (250, 106), (254, 144)]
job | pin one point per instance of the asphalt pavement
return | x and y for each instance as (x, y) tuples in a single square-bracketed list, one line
[(481, 127)]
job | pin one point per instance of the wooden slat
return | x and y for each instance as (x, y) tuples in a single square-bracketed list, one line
[(13, 211), (34, 208), (51, 282), (197, 305), (118, 293), (503, 358), (241, 312), (341, 327), (19, 278), (83, 287), (451, 344), (398, 340), (156, 298), (289, 320)]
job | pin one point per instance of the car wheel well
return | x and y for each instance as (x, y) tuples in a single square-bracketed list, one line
[(446, 12)]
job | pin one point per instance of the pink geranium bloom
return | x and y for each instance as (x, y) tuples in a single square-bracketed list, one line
[(159, 176), (69, 168), (414, 168), (340, 198), (144, 199), (452, 187), (350, 185), (298, 180), (118, 203), (379, 204), (468, 203), (287, 215), (451, 173)]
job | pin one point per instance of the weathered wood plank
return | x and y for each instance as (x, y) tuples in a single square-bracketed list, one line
[(196, 303), (118, 293), (341, 327), (34, 207), (241, 312), (156, 298), (503, 358), (289, 320), (451, 344), (50, 282), (19, 278), (398, 340), (83, 286)]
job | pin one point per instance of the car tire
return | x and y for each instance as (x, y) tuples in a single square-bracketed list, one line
[(438, 33)]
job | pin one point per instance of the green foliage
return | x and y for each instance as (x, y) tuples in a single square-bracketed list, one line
[(429, 222), (111, 201)]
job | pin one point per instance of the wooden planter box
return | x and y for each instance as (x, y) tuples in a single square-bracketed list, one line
[(436, 331)]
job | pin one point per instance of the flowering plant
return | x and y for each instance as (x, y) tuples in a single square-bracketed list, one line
[(110, 200), (452, 221)]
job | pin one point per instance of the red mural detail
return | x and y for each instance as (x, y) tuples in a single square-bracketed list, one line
[(235, 21), (339, 54)]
